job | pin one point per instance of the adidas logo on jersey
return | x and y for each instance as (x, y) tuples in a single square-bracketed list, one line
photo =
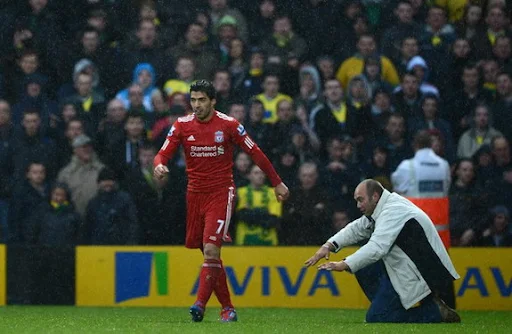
[(191, 138)]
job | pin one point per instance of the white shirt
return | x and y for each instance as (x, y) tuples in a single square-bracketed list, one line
[(426, 175)]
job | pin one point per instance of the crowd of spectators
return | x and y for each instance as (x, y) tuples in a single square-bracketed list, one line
[(333, 91)]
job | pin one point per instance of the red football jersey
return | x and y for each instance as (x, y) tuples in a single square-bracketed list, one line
[(209, 150)]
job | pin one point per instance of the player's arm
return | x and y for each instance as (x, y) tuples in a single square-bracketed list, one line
[(243, 140), (167, 151)]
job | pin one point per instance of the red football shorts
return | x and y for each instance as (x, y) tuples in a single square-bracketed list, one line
[(208, 217)]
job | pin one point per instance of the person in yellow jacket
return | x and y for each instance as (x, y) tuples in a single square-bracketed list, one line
[(271, 97), (257, 212), (366, 47)]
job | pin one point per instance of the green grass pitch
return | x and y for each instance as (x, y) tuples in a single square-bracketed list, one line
[(48, 319)]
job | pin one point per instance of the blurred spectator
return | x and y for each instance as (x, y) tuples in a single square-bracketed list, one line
[(409, 48), (468, 205), (498, 234), (242, 166), (238, 112), (500, 148), (484, 39), (340, 219), (465, 100), (185, 70), (480, 133), (502, 51), (256, 128), (27, 195), (404, 28), (377, 167), (111, 215), (325, 65), (490, 69), (359, 96), (111, 128), (271, 97), (143, 76), (341, 172), (284, 48), (83, 65), (81, 173), (54, 221), (287, 165), (90, 104), (261, 23), (257, 212), (430, 119), (147, 49), (6, 168), (310, 88), (160, 203), (372, 74), (307, 213), (394, 139), (165, 122), (286, 120), (222, 84), (419, 68), (74, 128), (366, 46), (471, 22), (502, 109), (219, 9), (381, 109), (27, 64), (31, 144), (195, 46), (253, 78), (227, 31), (237, 65), (121, 156), (34, 96), (407, 99)]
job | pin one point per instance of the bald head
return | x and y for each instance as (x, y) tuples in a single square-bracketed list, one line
[(367, 195)]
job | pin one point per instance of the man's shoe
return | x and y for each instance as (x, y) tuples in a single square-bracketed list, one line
[(447, 313), (197, 313), (228, 314)]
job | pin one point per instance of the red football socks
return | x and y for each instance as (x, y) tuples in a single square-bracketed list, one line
[(210, 273), (221, 289)]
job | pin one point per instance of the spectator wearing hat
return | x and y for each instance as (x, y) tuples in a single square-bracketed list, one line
[(111, 215), (81, 173), (55, 221), (219, 9), (499, 233), (227, 30)]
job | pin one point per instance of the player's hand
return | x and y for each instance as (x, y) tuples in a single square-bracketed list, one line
[(323, 252), (160, 171), (336, 266), (281, 192)]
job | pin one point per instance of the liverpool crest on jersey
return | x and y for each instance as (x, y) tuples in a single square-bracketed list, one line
[(219, 136)]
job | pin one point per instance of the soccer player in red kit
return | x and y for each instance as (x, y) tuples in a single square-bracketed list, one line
[(209, 138)]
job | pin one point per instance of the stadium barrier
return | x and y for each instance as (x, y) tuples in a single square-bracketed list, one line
[(257, 276)]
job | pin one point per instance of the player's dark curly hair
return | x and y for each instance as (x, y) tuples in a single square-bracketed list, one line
[(204, 86)]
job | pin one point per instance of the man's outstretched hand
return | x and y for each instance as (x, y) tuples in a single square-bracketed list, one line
[(323, 252)]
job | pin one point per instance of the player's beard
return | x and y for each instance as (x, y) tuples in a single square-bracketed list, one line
[(204, 113)]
